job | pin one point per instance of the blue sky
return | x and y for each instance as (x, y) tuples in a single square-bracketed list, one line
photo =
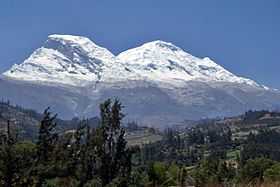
[(243, 36)]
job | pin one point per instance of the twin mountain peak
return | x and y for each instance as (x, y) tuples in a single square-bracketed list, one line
[(159, 83), (77, 61)]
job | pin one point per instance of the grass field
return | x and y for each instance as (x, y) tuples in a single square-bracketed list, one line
[(142, 137)]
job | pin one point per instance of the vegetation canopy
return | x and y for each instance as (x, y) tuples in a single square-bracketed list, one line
[(239, 151)]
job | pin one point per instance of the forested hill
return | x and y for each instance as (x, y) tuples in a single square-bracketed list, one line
[(236, 151), (26, 121)]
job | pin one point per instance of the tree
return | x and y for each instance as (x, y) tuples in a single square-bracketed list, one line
[(156, 173), (9, 165), (196, 136), (46, 143), (272, 174), (253, 170), (47, 136), (115, 157)]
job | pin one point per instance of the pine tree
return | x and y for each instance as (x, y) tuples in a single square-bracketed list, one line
[(46, 143), (7, 155), (115, 157), (47, 136)]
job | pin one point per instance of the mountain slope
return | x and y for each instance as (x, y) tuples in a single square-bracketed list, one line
[(164, 61), (70, 60), (158, 82)]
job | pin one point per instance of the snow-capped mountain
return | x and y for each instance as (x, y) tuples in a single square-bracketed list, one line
[(76, 60), (162, 61), (69, 60), (158, 82)]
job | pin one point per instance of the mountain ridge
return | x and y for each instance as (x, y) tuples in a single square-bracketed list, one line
[(159, 83), (82, 57)]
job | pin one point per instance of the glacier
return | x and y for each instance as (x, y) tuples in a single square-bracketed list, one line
[(159, 83)]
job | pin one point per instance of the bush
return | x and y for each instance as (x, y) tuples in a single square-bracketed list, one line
[(254, 170), (272, 174)]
